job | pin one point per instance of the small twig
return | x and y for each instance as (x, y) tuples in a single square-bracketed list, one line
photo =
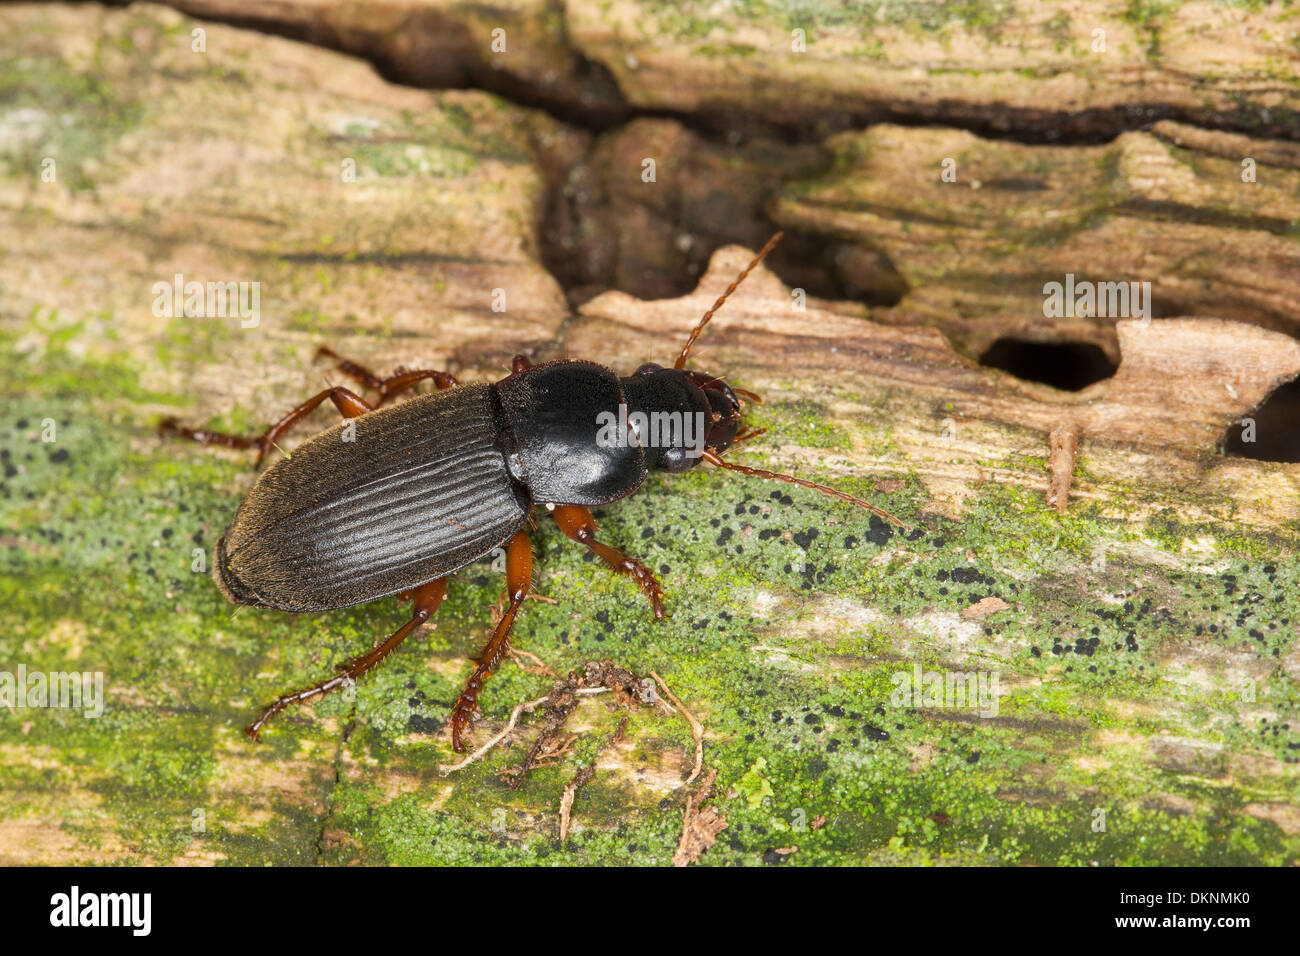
[(541, 667), (510, 725), (696, 727), (528, 706)]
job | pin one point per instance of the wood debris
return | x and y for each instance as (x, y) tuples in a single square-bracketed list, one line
[(579, 780), (700, 825), (984, 607), (1064, 442)]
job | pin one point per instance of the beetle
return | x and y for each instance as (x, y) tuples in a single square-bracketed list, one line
[(391, 501)]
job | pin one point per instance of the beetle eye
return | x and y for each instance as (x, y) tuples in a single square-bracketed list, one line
[(649, 368), (675, 461)]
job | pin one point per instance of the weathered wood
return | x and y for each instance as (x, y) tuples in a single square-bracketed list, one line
[(1158, 422), (1087, 70), (1141, 630), (229, 165), (977, 247)]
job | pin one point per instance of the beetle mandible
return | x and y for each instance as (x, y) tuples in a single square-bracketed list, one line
[(424, 488)]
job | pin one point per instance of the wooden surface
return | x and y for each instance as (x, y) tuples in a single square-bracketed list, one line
[(1141, 627)]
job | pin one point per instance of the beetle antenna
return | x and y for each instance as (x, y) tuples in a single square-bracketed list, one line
[(695, 333), (714, 459)]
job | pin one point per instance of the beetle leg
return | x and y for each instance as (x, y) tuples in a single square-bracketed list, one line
[(519, 575), (576, 522), (349, 368), (425, 599), (349, 404), (392, 386)]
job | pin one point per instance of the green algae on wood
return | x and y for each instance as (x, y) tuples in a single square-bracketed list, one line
[(785, 647)]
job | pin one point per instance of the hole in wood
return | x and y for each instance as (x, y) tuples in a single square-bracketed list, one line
[(1070, 366), (1272, 431)]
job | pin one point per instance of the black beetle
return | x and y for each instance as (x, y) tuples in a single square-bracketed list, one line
[(391, 501)]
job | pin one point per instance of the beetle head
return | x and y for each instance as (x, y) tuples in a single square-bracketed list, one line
[(721, 407), (715, 405), (724, 410)]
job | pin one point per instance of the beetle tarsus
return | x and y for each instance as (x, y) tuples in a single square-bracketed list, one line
[(171, 426), (578, 525), (349, 404), (358, 373), (426, 598)]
